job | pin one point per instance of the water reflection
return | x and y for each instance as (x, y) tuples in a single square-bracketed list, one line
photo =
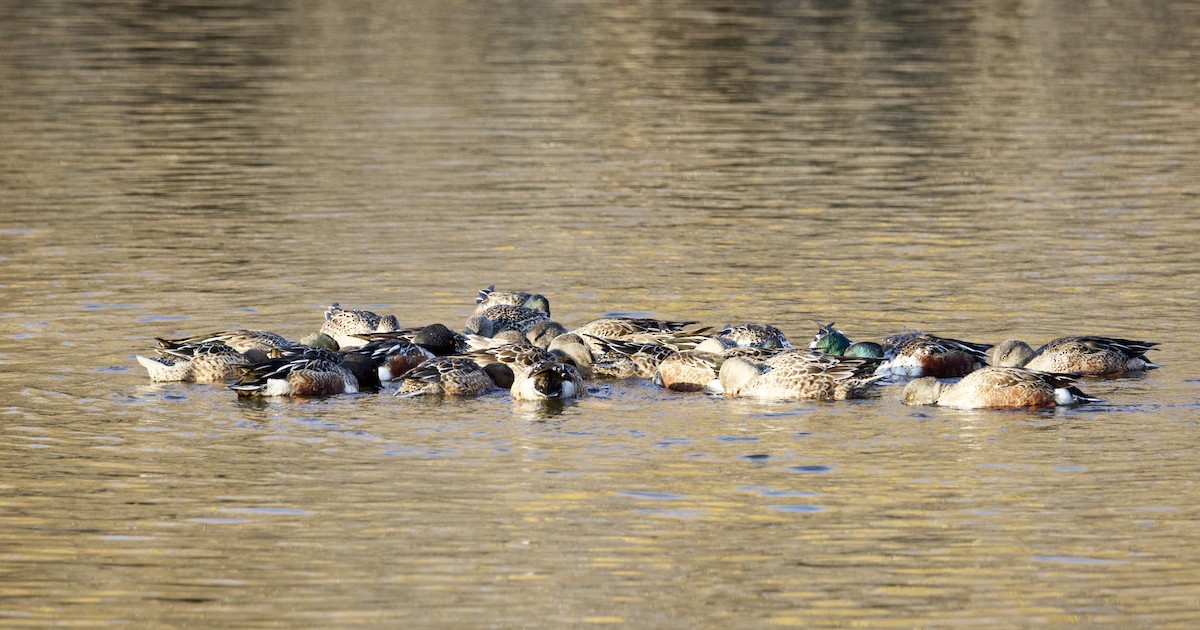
[(545, 410), (977, 170)]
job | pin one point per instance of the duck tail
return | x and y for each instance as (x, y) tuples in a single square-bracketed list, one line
[(485, 293), (166, 368), (1072, 395)]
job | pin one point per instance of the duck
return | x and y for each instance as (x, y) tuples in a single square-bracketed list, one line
[(619, 359), (753, 335), (393, 357), (343, 324), (799, 374), (537, 373), (833, 341), (308, 372), (497, 319), (543, 333), (243, 340), (205, 362), (490, 297), (908, 354), (690, 371), (916, 354), (438, 339), (698, 370), (643, 329), (622, 347), (1085, 355), (996, 387), (567, 348), (445, 375), (547, 380)]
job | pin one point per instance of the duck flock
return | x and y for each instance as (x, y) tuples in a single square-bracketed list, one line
[(511, 342)]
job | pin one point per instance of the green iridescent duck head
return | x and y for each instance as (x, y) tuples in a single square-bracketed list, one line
[(864, 349), (539, 302), (831, 340)]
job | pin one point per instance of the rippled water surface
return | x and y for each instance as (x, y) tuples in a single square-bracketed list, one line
[(981, 170)]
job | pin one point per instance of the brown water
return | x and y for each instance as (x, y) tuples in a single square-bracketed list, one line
[(975, 169)]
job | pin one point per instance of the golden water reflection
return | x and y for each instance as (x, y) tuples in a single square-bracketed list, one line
[(979, 170)]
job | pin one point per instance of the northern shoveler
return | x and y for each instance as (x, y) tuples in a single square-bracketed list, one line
[(698, 370), (907, 354), (627, 359), (490, 297), (436, 338), (917, 354), (622, 346), (1088, 355), (440, 340), (343, 325), (207, 362), (690, 371), (753, 335), (312, 372), (242, 340), (833, 341), (497, 319), (547, 380), (542, 334), (998, 388), (798, 375), (538, 373), (315, 340), (393, 357), (636, 328), (451, 376)]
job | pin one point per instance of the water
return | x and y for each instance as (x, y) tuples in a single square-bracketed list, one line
[(979, 170)]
